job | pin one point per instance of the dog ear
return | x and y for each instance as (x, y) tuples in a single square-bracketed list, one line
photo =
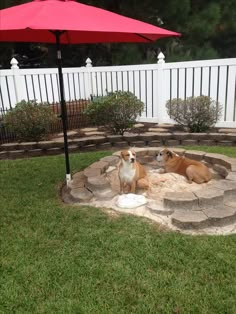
[(169, 154)]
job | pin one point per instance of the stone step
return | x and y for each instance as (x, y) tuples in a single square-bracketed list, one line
[(158, 208), (221, 216), (97, 183), (228, 187), (210, 217), (181, 200), (81, 194), (189, 219), (210, 198)]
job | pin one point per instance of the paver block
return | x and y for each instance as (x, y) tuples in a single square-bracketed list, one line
[(189, 142), (92, 172), (220, 216), (193, 154), (231, 137), (228, 130), (97, 183), (224, 143), (228, 187), (3, 155), (114, 138), (200, 136), (208, 198), (27, 145), (78, 180), (89, 147), (105, 146), (112, 160), (94, 133), (180, 200), (46, 144), (148, 136), (187, 219), (16, 154), (103, 165), (121, 144), (137, 143), (104, 194), (223, 171), (179, 151), (231, 176), (9, 146), (35, 152), (155, 143), (89, 129), (218, 159), (158, 130), (73, 148), (130, 136), (172, 142), (54, 151), (181, 136), (159, 209), (81, 194)]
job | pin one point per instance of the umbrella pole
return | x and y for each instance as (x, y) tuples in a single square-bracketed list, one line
[(63, 106)]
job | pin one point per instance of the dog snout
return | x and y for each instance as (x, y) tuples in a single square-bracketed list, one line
[(132, 159)]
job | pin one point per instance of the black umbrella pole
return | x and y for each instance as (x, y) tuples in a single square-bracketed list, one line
[(63, 108)]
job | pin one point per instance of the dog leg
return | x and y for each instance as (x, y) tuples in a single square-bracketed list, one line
[(121, 187), (143, 183), (133, 187), (189, 174)]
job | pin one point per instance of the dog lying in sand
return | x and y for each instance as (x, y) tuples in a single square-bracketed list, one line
[(193, 170), (131, 173)]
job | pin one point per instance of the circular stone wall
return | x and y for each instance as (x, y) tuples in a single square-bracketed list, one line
[(196, 208)]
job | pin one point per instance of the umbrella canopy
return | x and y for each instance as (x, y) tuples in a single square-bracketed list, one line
[(31, 22), (70, 22)]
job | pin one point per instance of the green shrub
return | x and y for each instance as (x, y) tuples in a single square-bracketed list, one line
[(30, 121), (117, 111), (198, 113)]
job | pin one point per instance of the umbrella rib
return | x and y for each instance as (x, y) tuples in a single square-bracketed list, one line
[(144, 37)]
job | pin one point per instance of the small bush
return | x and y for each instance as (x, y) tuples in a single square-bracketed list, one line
[(30, 121), (198, 113), (117, 111)]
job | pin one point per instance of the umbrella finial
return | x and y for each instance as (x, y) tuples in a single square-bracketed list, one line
[(161, 58), (14, 63)]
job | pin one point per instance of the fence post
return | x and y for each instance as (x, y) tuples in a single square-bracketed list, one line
[(89, 82), (160, 111), (18, 86)]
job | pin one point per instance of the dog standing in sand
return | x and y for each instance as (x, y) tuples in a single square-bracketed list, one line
[(193, 170), (131, 172)]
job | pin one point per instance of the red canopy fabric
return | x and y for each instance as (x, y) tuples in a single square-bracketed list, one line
[(31, 22)]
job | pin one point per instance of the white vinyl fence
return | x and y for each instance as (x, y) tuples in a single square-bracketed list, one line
[(154, 84)]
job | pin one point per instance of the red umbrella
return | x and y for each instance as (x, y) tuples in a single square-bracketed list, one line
[(70, 22)]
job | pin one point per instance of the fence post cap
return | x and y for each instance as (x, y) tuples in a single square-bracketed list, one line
[(14, 63), (161, 58), (88, 62)]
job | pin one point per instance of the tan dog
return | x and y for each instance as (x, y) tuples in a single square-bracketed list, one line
[(193, 170), (131, 172)]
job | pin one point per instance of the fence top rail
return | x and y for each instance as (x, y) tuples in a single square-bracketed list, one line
[(200, 63), (123, 68)]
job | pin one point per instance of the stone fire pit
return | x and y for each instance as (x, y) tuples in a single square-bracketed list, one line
[(208, 208)]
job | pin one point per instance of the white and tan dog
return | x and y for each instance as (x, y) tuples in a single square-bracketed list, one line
[(193, 170), (131, 172)]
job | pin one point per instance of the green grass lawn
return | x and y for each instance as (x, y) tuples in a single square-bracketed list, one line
[(67, 259)]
